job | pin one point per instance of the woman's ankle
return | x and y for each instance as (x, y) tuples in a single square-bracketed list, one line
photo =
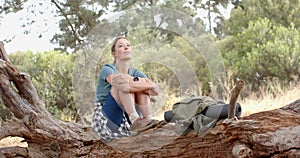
[(148, 117), (133, 117)]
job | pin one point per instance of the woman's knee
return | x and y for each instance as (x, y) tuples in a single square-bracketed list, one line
[(121, 96), (142, 98)]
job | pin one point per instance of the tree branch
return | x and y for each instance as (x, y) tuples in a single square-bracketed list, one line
[(234, 96), (68, 20), (16, 89), (294, 106), (3, 55)]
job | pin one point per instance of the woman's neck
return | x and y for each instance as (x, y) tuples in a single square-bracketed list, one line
[(122, 66)]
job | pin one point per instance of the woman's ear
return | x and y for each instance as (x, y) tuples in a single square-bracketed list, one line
[(113, 54)]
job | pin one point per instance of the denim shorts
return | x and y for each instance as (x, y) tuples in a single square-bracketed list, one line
[(114, 111)]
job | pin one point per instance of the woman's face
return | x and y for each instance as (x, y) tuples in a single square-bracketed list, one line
[(123, 50)]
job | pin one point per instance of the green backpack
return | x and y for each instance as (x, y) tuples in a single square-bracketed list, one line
[(188, 115)]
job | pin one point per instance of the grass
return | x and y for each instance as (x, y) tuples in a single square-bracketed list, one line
[(269, 101)]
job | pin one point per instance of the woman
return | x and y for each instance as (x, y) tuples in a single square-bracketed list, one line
[(122, 94)]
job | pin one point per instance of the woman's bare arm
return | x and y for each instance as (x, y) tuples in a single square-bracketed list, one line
[(126, 83)]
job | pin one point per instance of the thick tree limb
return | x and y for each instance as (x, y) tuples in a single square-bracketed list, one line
[(17, 91), (12, 128), (3, 55), (294, 106), (22, 86), (13, 152)]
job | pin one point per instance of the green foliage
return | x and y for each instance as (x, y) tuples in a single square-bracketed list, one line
[(281, 12), (51, 74), (79, 18), (11, 6), (213, 9), (262, 50), (195, 58)]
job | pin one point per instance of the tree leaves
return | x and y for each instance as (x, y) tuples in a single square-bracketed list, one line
[(264, 48), (51, 73)]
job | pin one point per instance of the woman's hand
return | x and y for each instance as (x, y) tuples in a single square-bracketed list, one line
[(126, 83), (153, 89), (121, 81)]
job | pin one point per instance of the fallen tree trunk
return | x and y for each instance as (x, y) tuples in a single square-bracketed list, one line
[(266, 134)]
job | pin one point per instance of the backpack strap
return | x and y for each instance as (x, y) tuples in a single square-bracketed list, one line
[(182, 127), (202, 124)]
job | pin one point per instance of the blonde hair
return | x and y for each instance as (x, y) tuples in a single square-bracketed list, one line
[(115, 41)]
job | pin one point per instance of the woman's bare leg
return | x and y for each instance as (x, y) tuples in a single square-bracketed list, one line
[(127, 100), (143, 101)]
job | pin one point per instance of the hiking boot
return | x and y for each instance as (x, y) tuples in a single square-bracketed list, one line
[(142, 124)]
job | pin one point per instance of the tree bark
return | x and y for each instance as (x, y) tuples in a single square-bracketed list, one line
[(233, 98), (273, 133)]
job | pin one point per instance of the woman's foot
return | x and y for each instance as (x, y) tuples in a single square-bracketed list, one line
[(142, 124)]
